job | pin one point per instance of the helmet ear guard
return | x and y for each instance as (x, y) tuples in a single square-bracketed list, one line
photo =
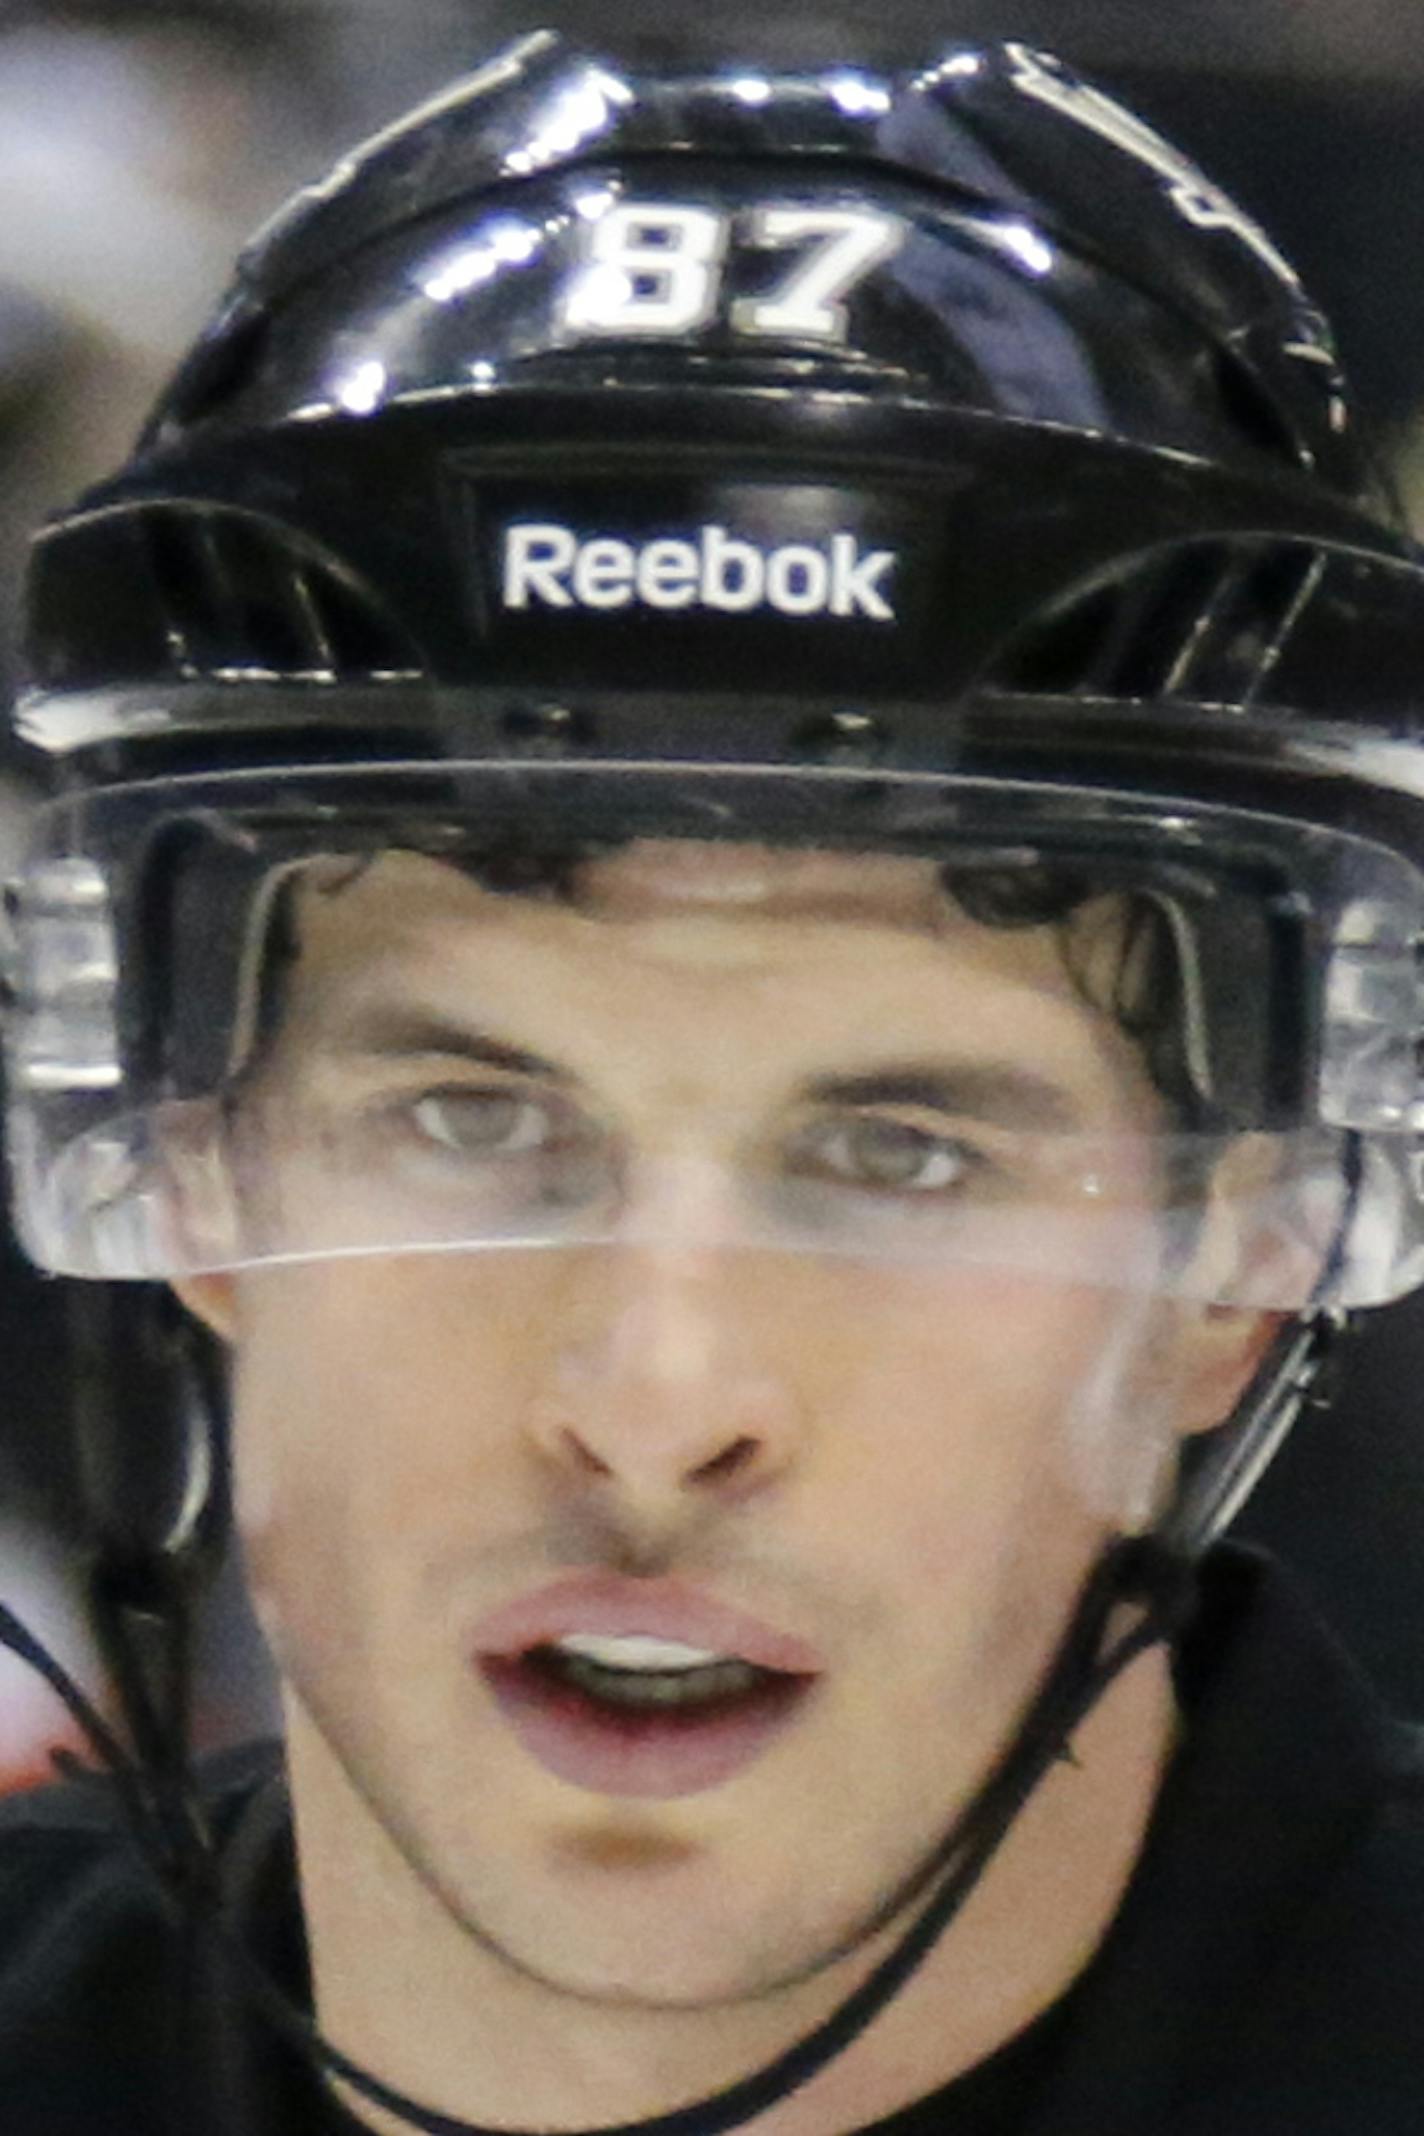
[(155, 1523), (146, 1375)]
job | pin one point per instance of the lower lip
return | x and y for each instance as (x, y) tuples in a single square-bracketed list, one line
[(657, 1755)]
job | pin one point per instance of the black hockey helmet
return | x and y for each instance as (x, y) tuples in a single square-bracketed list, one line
[(930, 463)]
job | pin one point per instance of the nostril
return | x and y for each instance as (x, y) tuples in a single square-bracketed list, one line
[(729, 1462)]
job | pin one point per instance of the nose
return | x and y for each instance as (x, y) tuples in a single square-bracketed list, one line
[(661, 1387)]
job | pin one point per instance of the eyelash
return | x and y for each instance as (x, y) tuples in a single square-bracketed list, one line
[(824, 1146)]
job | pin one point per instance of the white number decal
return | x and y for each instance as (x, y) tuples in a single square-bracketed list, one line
[(654, 267), (811, 301), (651, 269)]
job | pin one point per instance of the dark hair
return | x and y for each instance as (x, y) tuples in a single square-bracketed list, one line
[(1142, 987), (1143, 991)]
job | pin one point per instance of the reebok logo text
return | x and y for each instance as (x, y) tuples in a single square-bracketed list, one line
[(551, 567)]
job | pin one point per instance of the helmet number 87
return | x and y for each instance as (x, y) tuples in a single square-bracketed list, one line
[(653, 267)]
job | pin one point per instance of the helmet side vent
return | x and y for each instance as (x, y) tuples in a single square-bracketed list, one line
[(1204, 622), (1122, 638), (180, 591)]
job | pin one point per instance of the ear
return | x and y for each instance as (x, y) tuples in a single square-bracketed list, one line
[(211, 1299), (1218, 1351)]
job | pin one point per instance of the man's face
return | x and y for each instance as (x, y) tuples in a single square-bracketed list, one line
[(878, 1481)]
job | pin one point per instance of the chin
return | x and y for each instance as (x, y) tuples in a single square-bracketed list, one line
[(661, 1927), (652, 1969)]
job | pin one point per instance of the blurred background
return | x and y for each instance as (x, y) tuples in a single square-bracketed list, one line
[(139, 143)]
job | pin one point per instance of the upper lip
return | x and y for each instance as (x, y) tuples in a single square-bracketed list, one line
[(615, 1606)]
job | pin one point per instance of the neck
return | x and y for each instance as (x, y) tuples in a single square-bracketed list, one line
[(408, 1993)]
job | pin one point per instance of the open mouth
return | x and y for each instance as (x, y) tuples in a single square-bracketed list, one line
[(644, 1675), (634, 1714)]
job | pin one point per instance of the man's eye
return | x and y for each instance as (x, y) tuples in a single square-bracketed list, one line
[(889, 1155), (482, 1123)]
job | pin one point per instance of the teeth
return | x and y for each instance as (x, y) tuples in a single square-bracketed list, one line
[(643, 1689), (637, 1671), (635, 1650)]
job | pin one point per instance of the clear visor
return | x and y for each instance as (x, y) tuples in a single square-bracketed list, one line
[(917, 1024)]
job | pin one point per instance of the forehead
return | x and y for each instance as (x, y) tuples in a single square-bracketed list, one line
[(673, 901), (707, 963)]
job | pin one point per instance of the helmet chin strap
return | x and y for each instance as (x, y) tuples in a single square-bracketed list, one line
[(1151, 1577)]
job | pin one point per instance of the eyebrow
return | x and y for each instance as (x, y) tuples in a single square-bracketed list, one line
[(400, 1031), (1000, 1092)]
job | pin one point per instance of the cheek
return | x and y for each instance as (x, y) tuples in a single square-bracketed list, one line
[(949, 1480), (965, 1412), (371, 1401), (990, 1367)]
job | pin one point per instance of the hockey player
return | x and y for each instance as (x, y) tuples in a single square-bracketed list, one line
[(734, 888)]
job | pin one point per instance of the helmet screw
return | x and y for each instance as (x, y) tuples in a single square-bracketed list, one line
[(844, 738), (544, 730)]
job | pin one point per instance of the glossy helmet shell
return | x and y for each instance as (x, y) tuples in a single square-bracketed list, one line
[(945, 423), (1081, 399)]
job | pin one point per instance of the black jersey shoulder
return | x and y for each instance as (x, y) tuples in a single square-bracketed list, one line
[(1265, 1976), (90, 1969)]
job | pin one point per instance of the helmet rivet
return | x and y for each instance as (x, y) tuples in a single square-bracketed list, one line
[(844, 738), (544, 730)]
